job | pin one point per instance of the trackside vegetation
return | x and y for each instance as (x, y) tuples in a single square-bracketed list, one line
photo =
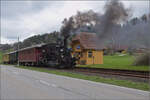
[(125, 83), (118, 62), (1, 57)]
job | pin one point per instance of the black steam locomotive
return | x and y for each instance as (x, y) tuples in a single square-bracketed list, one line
[(55, 54)]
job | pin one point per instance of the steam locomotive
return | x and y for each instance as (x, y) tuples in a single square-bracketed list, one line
[(51, 54)]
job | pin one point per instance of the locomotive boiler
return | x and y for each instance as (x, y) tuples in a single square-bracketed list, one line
[(55, 54)]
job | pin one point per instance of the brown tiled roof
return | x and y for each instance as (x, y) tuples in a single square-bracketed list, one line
[(88, 40)]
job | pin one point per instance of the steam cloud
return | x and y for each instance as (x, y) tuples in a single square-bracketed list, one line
[(115, 13)]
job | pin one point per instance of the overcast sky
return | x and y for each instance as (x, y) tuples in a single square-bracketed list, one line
[(28, 18)]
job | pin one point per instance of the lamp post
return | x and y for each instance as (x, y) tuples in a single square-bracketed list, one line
[(18, 51), (0, 38)]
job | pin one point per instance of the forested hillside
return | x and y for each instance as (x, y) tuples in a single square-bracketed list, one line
[(37, 39)]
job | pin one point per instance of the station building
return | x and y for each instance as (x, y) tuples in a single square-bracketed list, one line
[(87, 49)]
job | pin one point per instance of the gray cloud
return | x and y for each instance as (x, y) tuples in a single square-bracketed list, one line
[(11, 9), (27, 18)]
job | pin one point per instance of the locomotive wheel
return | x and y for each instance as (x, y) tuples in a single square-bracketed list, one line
[(60, 66), (72, 67)]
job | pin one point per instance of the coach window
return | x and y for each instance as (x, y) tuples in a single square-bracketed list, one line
[(29, 51), (90, 54)]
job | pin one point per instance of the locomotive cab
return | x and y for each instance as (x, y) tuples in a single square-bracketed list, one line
[(56, 55), (66, 60)]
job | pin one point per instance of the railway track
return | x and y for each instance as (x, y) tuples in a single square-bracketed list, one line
[(129, 73)]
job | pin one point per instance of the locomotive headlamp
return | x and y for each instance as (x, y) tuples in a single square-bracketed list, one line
[(61, 50)]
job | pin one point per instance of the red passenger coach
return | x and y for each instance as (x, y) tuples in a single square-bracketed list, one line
[(30, 55)]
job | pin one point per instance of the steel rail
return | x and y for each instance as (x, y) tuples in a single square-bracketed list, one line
[(130, 73)]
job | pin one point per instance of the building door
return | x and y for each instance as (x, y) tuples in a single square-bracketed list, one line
[(90, 58)]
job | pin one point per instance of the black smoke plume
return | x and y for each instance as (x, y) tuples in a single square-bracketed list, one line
[(115, 13), (66, 30)]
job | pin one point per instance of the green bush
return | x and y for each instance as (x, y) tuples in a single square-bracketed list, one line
[(143, 59), (1, 57)]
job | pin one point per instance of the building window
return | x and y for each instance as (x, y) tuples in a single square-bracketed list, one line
[(78, 47), (90, 54)]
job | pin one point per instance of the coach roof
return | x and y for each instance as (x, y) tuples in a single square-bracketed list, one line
[(33, 46)]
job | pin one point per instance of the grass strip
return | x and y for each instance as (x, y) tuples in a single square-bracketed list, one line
[(124, 83), (118, 62)]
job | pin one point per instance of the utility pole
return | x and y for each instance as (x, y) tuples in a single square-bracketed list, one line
[(18, 51), (0, 38)]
